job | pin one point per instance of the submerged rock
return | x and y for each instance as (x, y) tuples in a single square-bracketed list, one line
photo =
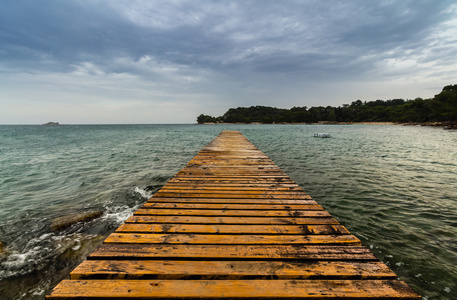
[(3, 251), (66, 221), (79, 246), (149, 188)]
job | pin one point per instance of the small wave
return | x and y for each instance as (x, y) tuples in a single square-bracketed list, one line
[(25, 261), (115, 215), (38, 253), (118, 214), (146, 194)]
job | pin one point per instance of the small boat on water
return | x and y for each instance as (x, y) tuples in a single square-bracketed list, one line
[(321, 135)]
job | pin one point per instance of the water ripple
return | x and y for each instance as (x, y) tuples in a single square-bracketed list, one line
[(392, 186)]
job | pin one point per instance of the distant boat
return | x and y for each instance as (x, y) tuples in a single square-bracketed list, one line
[(321, 135)]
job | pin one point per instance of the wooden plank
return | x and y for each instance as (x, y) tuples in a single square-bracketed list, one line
[(231, 220), (222, 156), (237, 177), (231, 195), (230, 171), (222, 181), (294, 207), (213, 161), (233, 201), (233, 213), (232, 229), (234, 179), (234, 186), (234, 289), (230, 239), (270, 188), (238, 167), (229, 270), (252, 191), (232, 252)]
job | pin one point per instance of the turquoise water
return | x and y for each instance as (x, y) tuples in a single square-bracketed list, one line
[(394, 187)]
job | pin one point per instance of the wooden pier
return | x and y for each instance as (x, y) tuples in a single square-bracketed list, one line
[(232, 225)]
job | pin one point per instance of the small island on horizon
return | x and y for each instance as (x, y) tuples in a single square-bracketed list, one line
[(51, 124), (441, 110)]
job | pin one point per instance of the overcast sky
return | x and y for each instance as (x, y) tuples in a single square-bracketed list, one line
[(110, 61)]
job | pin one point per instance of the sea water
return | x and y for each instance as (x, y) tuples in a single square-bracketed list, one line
[(394, 187)]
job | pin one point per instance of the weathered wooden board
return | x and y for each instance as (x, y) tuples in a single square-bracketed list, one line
[(232, 213), (228, 171), (235, 289), (231, 225), (232, 252), (227, 167), (230, 239), (231, 220), (246, 188), (232, 187), (232, 229), (230, 270), (238, 177), (232, 201), (252, 191), (278, 180), (226, 195), (228, 206)]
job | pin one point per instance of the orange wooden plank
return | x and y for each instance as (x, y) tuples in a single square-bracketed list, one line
[(229, 270), (235, 179), (283, 177), (200, 190), (233, 188), (233, 289), (293, 207), (230, 220), (230, 171), (232, 229), (227, 195), (233, 201), (229, 239), (231, 179), (233, 213), (241, 167), (232, 252)]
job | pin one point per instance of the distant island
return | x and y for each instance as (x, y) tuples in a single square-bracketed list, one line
[(52, 124), (441, 110)]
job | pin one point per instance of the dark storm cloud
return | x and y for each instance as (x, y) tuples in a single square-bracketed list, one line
[(257, 36), (56, 34)]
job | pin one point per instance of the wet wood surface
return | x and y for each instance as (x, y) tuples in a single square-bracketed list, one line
[(232, 225)]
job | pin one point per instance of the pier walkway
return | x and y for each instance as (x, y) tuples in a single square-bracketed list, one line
[(232, 225)]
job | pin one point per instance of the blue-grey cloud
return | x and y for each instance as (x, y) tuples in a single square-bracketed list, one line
[(212, 48)]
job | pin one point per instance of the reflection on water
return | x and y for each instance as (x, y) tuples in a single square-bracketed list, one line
[(392, 186)]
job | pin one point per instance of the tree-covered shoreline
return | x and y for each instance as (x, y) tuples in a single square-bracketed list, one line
[(442, 108)]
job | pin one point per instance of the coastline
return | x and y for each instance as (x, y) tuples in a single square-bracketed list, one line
[(445, 125), (286, 123)]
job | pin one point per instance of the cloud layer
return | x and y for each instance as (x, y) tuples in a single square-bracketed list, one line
[(167, 62)]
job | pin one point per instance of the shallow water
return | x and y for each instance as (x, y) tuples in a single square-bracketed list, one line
[(392, 186)]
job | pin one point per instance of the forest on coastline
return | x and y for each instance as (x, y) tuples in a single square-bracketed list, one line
[(441, 108)]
